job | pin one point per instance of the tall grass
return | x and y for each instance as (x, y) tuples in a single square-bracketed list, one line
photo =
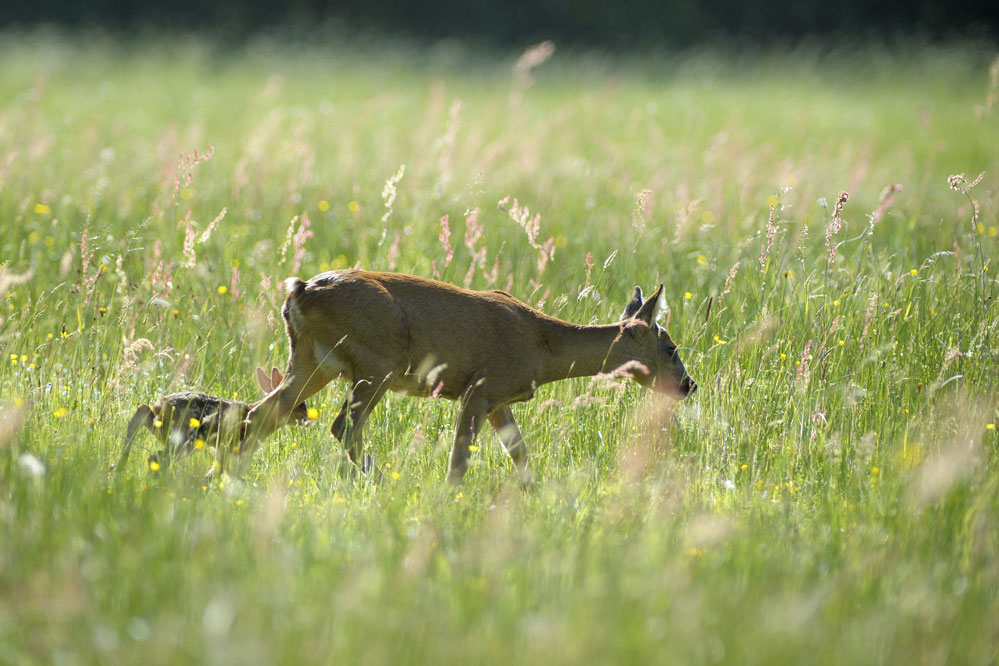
[(828, 496)]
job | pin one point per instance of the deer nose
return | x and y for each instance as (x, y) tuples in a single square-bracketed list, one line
[(688, 386)]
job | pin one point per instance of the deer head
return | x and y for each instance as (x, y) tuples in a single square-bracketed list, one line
[(641, 340)]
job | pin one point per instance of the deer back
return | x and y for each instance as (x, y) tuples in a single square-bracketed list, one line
[(369, 325)]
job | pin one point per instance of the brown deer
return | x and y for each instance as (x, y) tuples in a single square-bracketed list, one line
[(382, 331), (179, 420)]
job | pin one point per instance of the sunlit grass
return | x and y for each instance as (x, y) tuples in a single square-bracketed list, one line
[(828, 495)]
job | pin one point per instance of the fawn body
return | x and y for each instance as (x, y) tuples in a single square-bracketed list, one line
[(178, 420), (391, 331)]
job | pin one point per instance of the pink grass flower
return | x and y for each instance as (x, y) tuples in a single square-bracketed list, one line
[(445, 239)]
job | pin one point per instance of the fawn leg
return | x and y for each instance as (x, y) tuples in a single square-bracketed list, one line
[(143, 417)]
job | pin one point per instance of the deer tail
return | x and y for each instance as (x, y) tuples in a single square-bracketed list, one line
[(293, 286)]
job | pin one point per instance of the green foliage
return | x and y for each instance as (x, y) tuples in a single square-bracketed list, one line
[(828, 496), (623, 24)]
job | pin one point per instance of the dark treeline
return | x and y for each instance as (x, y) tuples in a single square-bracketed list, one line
[(669, 23)]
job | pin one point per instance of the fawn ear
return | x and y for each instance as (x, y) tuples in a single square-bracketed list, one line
[(633, 305), (651, 308), (276, 378), (264, 381)]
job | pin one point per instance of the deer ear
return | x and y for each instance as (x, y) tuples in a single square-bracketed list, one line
[(276, 378), (264, 381), (633, 305), (651, 308)]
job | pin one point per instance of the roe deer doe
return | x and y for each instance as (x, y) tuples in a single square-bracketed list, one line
[(178, 420), (384, 331)]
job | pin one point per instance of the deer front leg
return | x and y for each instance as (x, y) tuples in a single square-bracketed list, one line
[(474, 410), (509, 435), (348, 426)]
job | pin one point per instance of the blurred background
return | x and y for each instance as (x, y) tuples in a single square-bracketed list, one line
[(816, 183), (591, 23)]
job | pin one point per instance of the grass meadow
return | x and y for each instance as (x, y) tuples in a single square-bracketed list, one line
[(829, 496)]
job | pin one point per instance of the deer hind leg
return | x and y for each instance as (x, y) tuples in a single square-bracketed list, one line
[(501, 419), (143, 417), (348, 426), (273, 411), (474, 411)]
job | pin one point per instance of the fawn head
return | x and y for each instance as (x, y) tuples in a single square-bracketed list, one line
[(642, 341), (299, 415)]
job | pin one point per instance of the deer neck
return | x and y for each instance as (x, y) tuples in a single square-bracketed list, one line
[(575, 350)]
